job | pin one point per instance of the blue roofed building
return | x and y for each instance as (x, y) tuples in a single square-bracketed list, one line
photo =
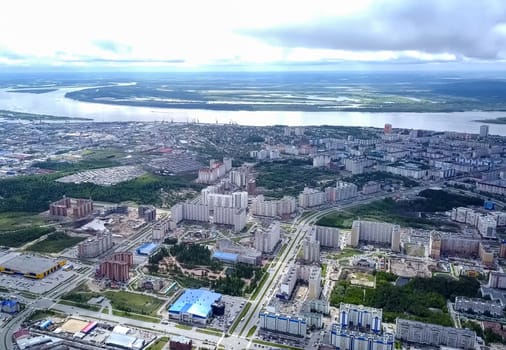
[(230, 258), (194, 306), (9, 306), (147, 249)]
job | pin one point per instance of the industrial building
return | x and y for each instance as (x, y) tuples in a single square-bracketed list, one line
[(372, 232), (239, 253), (266, 240), (274, 208), (327, 236), (280, 323), (434, 335), (147, 249), (359, 317), (125, 341), (9, 306), (479, 306), (95, 246), (31, 266), (70, 207), (194, 306), (345, 339)]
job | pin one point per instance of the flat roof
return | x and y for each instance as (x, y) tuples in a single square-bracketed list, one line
[(225, 256), (29, 264), (196, 302)]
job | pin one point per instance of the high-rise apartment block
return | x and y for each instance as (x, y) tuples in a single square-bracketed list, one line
[(372, 232), (267, 240), (311, 198), (434, 335)]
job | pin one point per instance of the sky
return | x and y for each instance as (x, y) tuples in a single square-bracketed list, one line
[(191, 35)]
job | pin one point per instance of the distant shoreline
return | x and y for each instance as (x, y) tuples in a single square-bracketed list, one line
[(500, 120), (12, 115)]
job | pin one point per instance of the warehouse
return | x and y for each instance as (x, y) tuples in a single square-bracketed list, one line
[(194, 306), (147, 249), (31, 266)]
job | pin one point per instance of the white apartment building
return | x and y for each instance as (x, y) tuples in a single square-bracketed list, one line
[(237, 200), (284, 206), (310, 249), (342, 191), (314, 283), (287, 324), (311, 198), (266, 240), (479, 306), (321, 160), (356, 166), (230, 216), (487, 226), (434, 335), (376, 233), (497, 280), (95, 246), (360, 317), (327, 236), (345, 339)]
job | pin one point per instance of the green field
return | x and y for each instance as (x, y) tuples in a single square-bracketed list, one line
[(422, 299), (56, 242), (14, 221), (159, 344), (19, 228), (134, 303), (403, 212)]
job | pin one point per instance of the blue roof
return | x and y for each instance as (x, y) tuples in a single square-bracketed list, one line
[(146, 248), (9, 303), (196, 302), (223, 256)]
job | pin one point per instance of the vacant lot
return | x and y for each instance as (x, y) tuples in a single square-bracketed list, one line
[(133, 302), (56, 242)]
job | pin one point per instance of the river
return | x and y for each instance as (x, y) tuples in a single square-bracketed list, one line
[(55, 103)]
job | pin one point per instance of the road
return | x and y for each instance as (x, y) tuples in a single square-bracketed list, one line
[(234, 341)]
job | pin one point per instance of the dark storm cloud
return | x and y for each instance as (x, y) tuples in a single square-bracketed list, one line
[(112, 46), (469, 28)]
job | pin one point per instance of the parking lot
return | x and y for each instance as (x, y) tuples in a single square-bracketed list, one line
[(233, 307), (20, 283)]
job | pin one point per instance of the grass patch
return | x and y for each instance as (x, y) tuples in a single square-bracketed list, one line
[(209, 331), (421, 299), (289, 177), (80, 305), (239, 318), (159, 344), (275, 345), (403, 212), (56, 242), (260, 285), (134, 303), (251, 331), (347, 253), (16, 221), (43, 314), (135, 316), (20, 237), (184, 326)]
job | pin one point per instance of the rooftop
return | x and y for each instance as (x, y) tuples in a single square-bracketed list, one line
[(196, 302), (29, 264)]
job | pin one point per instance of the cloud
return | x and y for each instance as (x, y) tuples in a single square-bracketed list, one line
[(464, 28), (112, 46)]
